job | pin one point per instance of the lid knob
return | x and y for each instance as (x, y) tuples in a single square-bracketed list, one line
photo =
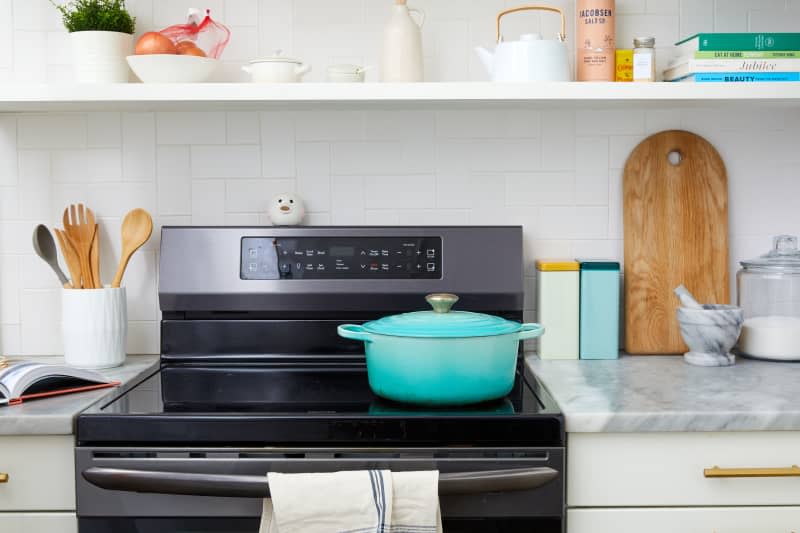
[(441, 301), (785, 244)]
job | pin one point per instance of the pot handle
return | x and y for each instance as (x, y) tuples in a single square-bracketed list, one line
[(247, 69), (355, 332), (561, 36), (530, 331), (420, 13), (302, 70)]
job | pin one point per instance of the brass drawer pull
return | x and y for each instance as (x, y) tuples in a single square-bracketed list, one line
[(3, 477), (715, 471)]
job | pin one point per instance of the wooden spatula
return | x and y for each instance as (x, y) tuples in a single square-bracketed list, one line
[(136, 229), (94, 258), (70, 257)]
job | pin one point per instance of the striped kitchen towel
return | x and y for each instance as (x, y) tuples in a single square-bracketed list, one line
[(363, 501)]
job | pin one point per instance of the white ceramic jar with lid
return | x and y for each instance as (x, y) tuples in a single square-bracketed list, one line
[(277, 69), (769, 294)]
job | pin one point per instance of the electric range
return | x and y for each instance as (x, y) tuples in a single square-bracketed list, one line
[(253, 378)]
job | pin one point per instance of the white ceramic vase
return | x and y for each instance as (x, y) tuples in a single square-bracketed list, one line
[(99, 56), (94, 327), (402, 46)]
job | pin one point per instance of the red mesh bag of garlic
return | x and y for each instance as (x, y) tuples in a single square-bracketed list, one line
[(200, 36)]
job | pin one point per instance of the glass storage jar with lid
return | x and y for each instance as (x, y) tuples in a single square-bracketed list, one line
[(768, 289)]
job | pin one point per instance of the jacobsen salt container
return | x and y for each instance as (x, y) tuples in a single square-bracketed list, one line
[(599, 309), (557, 301)]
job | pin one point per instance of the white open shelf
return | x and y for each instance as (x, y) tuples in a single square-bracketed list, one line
[(16, 98)]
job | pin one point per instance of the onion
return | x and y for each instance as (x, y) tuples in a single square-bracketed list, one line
[(188, 48), (154, 43)]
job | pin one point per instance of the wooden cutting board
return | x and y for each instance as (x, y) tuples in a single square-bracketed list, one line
[(676, 231)]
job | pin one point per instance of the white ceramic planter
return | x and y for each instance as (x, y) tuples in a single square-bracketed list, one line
[(94, 327), (99, 56)]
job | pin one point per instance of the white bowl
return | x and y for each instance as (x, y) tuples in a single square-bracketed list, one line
[(172, 68)]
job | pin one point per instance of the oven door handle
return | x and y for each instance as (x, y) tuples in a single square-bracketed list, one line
[(222, 485)]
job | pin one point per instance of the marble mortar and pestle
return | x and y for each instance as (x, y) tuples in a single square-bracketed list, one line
[(711, 331)]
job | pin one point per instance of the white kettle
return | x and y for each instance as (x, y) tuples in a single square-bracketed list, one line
[(531, 58)]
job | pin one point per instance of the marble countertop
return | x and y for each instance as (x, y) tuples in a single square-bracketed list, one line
[(55, 416), (662, 393)]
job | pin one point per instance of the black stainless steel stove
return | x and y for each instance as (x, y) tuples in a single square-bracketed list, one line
[(253, 378)]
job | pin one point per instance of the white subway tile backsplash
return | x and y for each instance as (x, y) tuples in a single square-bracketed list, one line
[(40, 313), (400, 191), (174, 180), (208, 202), (540, 188), (104, 130), (243, 128), (277, 145), (226, 161), (10, 287), (139, 146), (252, 196), (191, 128), (51, 131), (557, 172)]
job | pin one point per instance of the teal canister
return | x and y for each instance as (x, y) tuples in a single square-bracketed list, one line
[(599, 314)]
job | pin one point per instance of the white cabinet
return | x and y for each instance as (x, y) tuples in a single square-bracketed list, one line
[(655, 482), (666, 469), (38, 523), (683, 520), (41, 473)]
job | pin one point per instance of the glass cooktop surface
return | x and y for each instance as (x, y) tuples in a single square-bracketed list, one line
[(244, 402)]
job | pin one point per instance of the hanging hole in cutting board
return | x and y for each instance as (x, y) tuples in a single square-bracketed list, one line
[(675, 157)]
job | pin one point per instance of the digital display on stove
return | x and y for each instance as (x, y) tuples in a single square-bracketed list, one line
[(296, 258)]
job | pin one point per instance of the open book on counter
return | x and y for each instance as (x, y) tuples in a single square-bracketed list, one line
[(27, 380)]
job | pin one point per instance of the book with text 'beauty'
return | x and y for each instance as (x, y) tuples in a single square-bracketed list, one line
[(739, 42), (739, 77), (27, 380), (691, 66)]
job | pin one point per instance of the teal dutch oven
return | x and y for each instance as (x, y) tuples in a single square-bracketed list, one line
[(441, 357)]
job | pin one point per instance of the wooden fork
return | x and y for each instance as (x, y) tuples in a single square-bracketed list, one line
[(80, 226)]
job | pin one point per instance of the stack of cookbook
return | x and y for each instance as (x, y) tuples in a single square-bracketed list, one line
[(736, 57)]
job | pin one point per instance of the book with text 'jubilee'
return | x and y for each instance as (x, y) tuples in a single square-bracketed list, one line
[(739, 42), (27, 380), (739, 77), (683, 68)]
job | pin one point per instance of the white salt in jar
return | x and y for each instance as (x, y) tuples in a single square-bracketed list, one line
[(769, 294)]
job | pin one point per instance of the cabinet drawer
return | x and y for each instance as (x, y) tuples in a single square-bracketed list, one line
[(38, 522), (696, 520), (666, 469), (41, 473)]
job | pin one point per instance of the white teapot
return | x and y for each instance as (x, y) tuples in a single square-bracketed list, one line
[(531, 58)]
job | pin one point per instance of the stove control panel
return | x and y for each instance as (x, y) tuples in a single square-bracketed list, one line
[(271, 258)]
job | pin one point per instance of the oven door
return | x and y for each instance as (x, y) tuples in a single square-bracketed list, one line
[(125, 490)]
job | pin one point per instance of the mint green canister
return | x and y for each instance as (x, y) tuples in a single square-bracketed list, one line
[(599, 309)]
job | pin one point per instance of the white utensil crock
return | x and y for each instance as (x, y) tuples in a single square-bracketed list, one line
[(94, 327), (99, 56)]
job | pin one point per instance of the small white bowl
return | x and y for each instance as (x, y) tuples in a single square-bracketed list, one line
[(172, 68)]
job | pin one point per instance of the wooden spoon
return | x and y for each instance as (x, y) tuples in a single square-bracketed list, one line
[(80, 227), (45, 248), (136, 229), (71, 258)]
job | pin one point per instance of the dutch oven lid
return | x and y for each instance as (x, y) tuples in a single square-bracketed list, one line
[(784, 256), (442, 322)]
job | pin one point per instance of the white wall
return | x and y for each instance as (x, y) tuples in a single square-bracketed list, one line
[(557, 172)]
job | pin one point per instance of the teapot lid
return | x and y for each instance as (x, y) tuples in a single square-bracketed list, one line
[(784, 256)]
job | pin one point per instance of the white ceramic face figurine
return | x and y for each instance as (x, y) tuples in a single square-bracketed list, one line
[(286, 209)]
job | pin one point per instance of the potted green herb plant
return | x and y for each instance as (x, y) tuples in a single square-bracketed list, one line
[(101, 32)]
